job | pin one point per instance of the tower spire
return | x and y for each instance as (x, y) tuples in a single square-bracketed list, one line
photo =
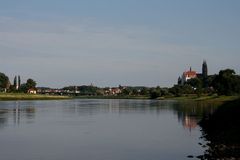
[(204, 69), (205, 73)]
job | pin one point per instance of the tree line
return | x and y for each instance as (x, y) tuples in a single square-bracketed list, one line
[(17, 86), (226, 82)]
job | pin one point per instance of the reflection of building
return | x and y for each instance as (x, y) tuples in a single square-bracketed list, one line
[(189, 122)]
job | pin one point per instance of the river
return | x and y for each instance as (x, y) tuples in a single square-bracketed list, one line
[(90, 129)]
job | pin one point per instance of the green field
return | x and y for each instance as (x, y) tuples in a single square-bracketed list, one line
[(22, 96)]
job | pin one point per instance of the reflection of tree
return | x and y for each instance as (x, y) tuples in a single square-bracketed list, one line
[(15, 111), (19, 112), (222, 130), (3, 117)]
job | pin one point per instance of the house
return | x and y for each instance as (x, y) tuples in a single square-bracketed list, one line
[(113, 91), (32, 91)]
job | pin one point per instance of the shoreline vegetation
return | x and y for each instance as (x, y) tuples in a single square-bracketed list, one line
[(211, 98), (24, 96), (219, 87)]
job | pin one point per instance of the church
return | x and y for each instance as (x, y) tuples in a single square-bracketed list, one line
[(187, 75)]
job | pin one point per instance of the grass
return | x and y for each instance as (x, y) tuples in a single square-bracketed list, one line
[(193, 97), (112, 97), (23, 96), (213, 98)]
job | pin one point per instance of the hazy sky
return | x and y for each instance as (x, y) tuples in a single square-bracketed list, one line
[(111, 42)]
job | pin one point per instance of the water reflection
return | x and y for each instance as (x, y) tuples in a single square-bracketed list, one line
[(188, 113), (100, 129), (15, 111)]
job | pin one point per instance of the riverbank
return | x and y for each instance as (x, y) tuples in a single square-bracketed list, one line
[(222, 130), (22, 96), (111, 97), (213, 98)]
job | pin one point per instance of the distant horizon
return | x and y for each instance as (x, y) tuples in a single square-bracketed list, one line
[(198, 72), (111, 43)]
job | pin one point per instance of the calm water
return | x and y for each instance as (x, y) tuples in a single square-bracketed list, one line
[(100, 130)]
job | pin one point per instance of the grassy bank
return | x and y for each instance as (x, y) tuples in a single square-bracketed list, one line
[(111, 97), (207, 98), (22, 96), (213, 98)]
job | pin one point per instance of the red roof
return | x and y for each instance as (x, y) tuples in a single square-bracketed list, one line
[(191, 74)]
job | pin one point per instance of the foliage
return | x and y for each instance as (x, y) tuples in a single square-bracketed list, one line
[(15, 81), (85, 90), (31, 83), (227, 82), (195, 82), (4, 81), (179, 90), (155, 92)]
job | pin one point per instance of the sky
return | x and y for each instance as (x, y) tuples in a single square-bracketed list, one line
[(110, 42)]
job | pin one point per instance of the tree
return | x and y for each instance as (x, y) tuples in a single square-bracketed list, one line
[(227, 82), (15, 82), (31, 83), (23, 88), (144, 91), (179, 90), (4, 81), (126, 91), (195, 82), (19, 81), (155, 92)]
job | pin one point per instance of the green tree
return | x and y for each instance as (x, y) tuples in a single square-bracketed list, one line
[(31, 83), (227, 82), (179, 90), (144, 91), (195, 82), (23, 88), (15, 82), (155, 92), (135, 92), (19, 81), (4, 81), (126, 91)]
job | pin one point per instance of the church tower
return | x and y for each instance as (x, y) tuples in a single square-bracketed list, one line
[(204, 69), (205, 74)]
